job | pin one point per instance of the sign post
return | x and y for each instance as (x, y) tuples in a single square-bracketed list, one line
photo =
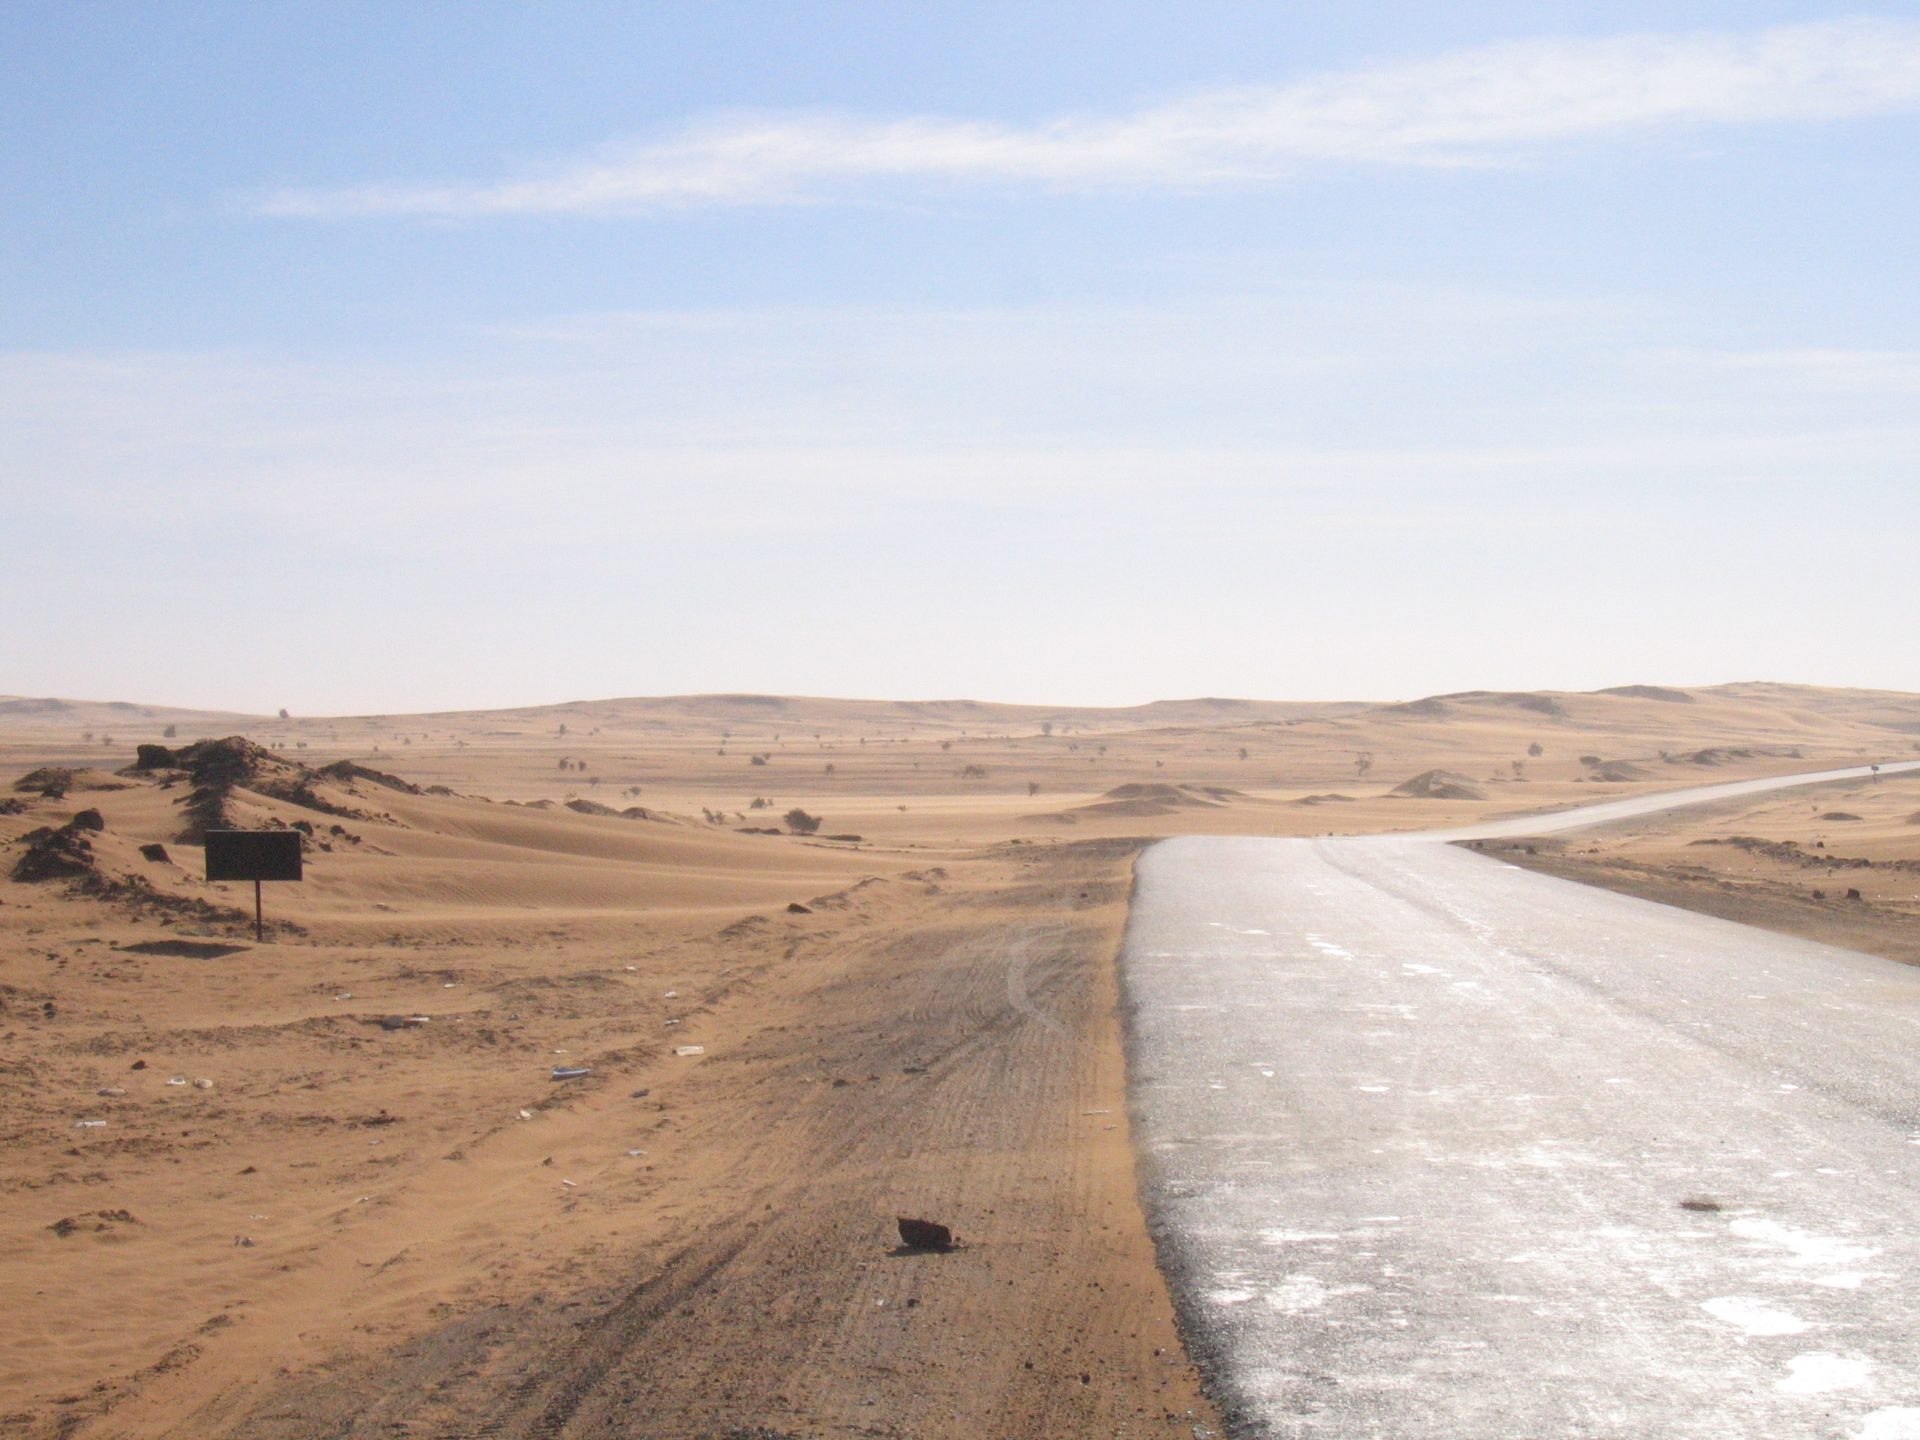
[(254, 855)]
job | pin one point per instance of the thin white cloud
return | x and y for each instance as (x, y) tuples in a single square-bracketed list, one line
[(1866, 371), (1487, 105)]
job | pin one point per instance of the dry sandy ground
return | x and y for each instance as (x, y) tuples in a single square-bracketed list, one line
[(355, 1230), (1836, 863)]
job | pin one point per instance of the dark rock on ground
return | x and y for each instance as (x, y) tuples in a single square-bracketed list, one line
[(47, 780), (924, 1234), (54, 854)]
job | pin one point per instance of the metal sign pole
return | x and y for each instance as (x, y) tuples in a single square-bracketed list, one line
[(254, 855)]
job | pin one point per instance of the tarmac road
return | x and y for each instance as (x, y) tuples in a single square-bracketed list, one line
[(1439, 1147)]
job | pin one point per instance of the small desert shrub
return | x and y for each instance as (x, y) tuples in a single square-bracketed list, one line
[(800, 822)]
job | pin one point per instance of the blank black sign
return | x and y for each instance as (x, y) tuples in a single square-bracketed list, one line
[(253, 855)]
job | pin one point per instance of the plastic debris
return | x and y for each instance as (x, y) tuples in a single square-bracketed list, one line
[(689, 1049), (632, 1153), (203, 1084), (526, 1114), (88, 1124), (572, 1072), (569, 1184), (671, 995), (177, 1080), (111, 1090)]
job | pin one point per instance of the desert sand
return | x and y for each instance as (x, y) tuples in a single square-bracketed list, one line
[(327, 1185)]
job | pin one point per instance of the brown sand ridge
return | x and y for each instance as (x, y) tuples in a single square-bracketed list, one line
[(1439, 785), (383, 1215)]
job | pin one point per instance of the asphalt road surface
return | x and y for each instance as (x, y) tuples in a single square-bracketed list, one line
[(1439, 1147)]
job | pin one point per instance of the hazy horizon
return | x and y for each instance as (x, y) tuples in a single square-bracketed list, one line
[(271, 712)]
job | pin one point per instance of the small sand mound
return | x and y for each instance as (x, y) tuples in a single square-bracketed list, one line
[(1839, 815), (1618, 772), (345, 772), (219, 767), (57, 780), (1430, 708), (47, 777), (1723, 754), (1142, 798), (1327, 799), (1513, 699), (1439, 785), (1648, 692)]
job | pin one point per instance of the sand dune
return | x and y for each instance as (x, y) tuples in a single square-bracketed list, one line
[(344, 1199)]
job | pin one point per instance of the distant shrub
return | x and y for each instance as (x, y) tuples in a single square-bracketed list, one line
[(800, 822), (973, 772)]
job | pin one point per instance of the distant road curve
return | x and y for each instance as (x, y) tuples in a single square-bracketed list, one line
[(1437, 1147)]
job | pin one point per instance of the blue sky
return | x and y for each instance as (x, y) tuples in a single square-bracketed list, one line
[(374, 357)]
